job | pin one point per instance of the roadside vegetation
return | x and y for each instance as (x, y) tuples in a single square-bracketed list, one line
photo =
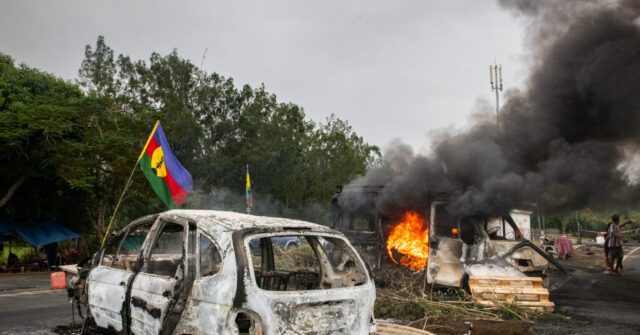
[(590, 220), (69, 147)]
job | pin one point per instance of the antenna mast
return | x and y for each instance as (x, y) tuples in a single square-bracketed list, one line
[(495, 71)]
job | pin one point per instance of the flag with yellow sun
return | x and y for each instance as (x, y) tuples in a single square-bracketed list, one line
[(167, 177)]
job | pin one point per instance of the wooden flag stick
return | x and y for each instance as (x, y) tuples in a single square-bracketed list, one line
[(106, 233), (126, 186)]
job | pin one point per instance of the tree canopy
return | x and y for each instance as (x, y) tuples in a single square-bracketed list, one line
[(70, 147)]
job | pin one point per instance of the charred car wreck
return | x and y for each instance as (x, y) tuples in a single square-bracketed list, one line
[(450, 248), (202, 272)]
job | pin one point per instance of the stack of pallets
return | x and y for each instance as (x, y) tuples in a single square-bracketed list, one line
[(524, 291)]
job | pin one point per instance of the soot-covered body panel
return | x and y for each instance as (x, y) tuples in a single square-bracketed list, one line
[(194, 272)]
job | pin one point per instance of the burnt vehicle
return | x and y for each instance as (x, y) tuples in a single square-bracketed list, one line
[(448, 247), (194, 272)]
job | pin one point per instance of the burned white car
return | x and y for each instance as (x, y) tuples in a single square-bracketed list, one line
[(196, 272)]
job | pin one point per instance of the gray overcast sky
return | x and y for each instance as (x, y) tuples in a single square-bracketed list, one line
[(393, 69)]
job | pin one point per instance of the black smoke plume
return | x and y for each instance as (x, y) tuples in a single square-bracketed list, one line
[(565, 140)]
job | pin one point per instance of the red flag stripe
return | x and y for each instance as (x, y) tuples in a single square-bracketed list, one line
[(177, 193), (151, 147)]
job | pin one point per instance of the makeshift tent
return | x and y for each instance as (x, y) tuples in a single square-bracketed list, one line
[(37, 234), (5, 234)]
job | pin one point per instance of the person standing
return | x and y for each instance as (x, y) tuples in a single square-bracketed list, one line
[(51, 250), (615, 218), (614, 243), (607, 264)]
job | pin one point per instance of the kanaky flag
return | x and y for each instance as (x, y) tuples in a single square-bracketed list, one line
[(167, 177), (248, 190)]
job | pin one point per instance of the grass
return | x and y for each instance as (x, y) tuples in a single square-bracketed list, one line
[(407, 297)]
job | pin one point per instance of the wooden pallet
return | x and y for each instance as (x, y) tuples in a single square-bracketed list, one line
[(524, 291)]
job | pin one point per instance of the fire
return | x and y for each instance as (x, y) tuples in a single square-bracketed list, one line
[(454, 232), (410, 238)]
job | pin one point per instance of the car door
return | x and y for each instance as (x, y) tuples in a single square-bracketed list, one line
[(155, 293), (363, 231), (108, 282), (445, 248)]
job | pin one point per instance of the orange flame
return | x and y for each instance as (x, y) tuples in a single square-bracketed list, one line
[(410, 238), (454, 232)]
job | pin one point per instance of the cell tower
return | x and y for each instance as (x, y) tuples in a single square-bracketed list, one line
[(496, 71)]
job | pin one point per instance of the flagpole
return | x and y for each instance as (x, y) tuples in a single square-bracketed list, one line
[(106, 233), (126, 186)]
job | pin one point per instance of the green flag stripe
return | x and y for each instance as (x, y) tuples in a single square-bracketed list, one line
[(157, 184)]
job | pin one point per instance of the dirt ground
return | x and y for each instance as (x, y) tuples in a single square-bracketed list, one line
[(590, 301)]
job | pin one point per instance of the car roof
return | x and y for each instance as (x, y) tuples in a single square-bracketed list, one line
[(233, 221)]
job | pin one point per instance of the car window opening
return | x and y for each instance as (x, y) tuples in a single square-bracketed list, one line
[(500, 229), (297, 263), (123, 252), (167, 251), (210, 259), (446, 225)]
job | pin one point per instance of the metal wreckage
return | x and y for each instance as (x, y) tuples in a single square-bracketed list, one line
[(213, 272), (452, 249), (198, 272)]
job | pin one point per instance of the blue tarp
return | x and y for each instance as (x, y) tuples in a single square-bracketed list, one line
[(38, 234), (5, 234)]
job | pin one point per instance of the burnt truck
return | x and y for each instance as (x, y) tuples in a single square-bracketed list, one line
[(451, 248)]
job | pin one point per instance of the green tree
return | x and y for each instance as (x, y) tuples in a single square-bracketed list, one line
[(69, 153), (216, 129), (336, 155), (40, 128), (98, 69)]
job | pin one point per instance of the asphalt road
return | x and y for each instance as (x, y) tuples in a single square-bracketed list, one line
[(29, 306), (597, 302)]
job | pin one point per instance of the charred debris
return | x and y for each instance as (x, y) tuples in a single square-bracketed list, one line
[(449, 247)]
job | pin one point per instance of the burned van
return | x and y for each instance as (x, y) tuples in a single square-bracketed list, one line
[(450, 248), (213, 272)]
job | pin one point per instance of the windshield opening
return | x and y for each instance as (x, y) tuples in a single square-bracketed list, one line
[(498, 228)]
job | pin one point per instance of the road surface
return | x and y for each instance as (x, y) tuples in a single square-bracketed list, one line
[(597, 302), (29, 306)]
